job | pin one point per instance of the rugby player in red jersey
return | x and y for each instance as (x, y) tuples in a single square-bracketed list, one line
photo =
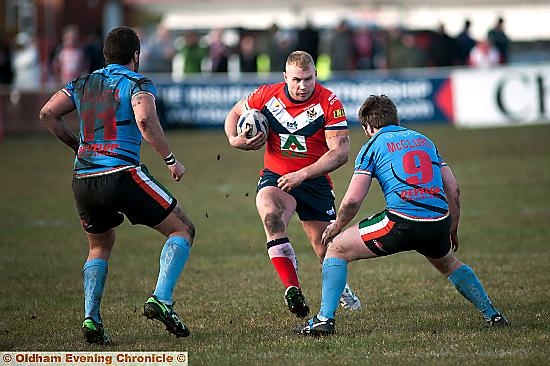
[(308, 138)]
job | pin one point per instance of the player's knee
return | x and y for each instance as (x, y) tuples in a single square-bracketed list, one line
[(274, 223), (337, 249), (188, 229), (186, 224), (446, 264), (191, 230), (319, 248)]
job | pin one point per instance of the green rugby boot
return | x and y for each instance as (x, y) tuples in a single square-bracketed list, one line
[(296, 302), (94, 333), (154, 309)]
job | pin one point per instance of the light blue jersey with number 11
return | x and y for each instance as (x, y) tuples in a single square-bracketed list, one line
[(408, 167), (109, 136)]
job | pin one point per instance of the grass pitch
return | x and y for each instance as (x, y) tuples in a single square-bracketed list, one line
[(229, 294)]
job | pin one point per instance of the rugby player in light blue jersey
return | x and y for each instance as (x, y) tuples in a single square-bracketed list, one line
[(422, 214), (116, 109)]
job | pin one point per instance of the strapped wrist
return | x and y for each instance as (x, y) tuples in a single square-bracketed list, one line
[(170, 160)]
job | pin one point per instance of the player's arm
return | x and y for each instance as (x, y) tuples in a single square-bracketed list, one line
[(145, 112), (51, 116), (351, 203), (452, 191), (335, 157), (240, 141)]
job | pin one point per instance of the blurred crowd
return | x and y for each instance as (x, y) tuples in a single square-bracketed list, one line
[(180, 54), (22, 66)]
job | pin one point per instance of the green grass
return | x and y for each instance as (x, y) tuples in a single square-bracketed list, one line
[(229, 294)]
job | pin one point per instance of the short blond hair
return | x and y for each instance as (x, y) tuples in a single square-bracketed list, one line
[(302, 59)]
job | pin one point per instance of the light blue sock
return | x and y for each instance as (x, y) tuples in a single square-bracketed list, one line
[(173, 257), (335, 271), (466, 282), (94, 273)]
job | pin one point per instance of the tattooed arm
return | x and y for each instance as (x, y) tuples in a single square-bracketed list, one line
[(143, 105), (335, 157)]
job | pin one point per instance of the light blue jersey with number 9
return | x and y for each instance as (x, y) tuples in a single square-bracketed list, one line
[(408, 167)]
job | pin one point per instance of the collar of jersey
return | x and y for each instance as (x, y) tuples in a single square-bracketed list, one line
[(287, 93)]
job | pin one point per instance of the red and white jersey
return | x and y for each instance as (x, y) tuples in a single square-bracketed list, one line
[(296, 129)]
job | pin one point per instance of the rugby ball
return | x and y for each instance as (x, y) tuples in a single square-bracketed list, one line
[(254, 121)]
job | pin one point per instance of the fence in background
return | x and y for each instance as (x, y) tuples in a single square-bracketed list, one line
[(501, 96)]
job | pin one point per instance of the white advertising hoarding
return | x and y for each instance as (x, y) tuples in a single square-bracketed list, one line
[(501, 96)]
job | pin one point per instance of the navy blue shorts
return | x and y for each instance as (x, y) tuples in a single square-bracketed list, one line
[(314, 197), (386, 233), (102, 200)]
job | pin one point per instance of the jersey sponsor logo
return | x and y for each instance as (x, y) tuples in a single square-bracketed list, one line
[(293, 145), (291, 125), (339, 113), (419, 193), (103, 149), (279, 103), (332, 98)]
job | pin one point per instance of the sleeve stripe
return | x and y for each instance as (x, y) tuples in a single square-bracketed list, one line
[(143, 92), (332, 128), (343, 123), (362, 172)]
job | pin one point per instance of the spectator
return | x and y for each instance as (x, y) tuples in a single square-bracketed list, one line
[(26, 63), (192, 53), (160, 51), (308, 41), (248, 57), (69, 60), (341, 48), (443, 49), (380, 49), (6, 64), (484, 55), (363, 45), (499, 40), (280, 47), (217, 52), (465, 43), (94, 51), (403, 51)]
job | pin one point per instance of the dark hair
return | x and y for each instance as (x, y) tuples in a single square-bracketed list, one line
[(120, 45), (378, 111)]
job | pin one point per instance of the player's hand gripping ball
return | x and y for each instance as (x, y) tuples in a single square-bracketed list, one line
[(252, 121)]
